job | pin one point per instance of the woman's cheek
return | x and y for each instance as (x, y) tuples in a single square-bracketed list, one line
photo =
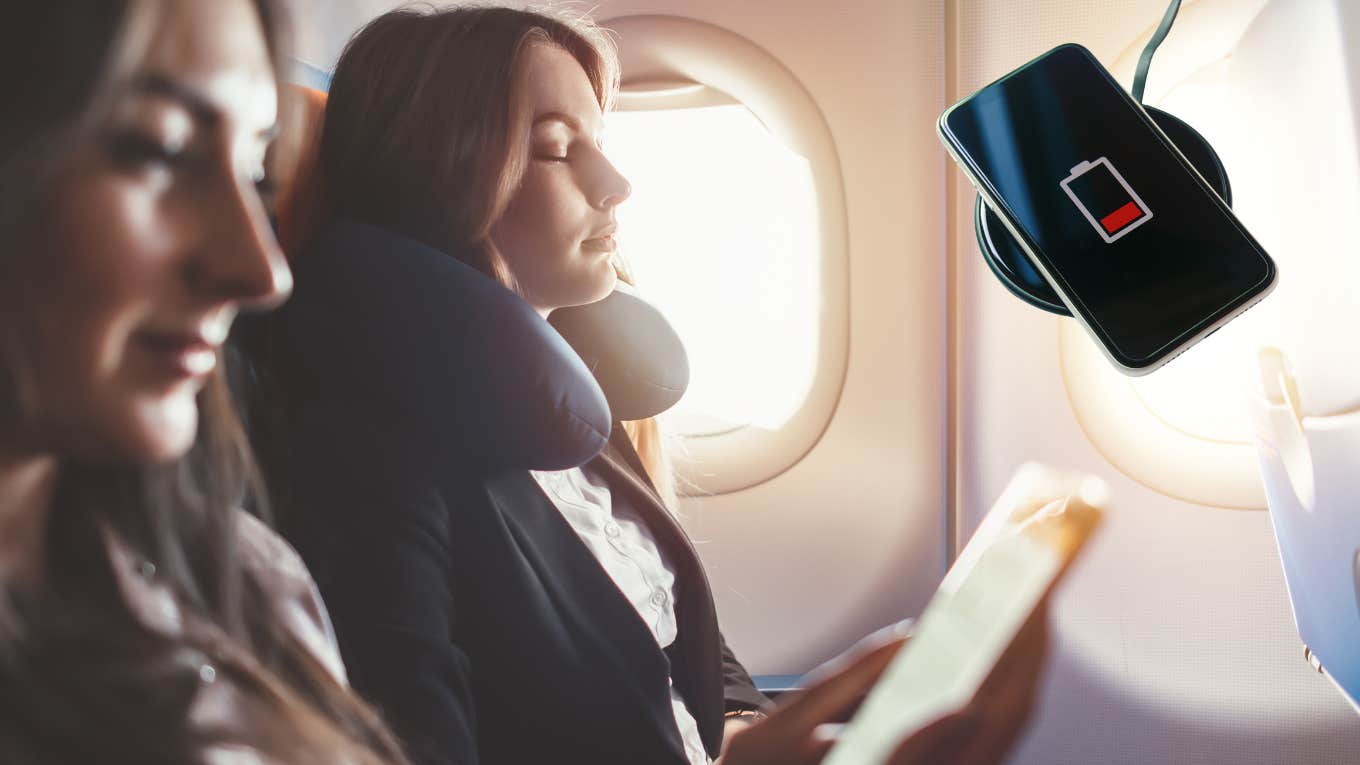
[(107, 273)]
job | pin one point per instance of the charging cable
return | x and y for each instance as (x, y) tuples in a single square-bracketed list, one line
[(1145, 60)]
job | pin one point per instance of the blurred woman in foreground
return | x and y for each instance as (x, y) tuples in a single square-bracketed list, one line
[(143, 616)]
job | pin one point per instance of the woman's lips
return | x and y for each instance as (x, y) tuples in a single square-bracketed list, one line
[(600, 244), (181, 355)]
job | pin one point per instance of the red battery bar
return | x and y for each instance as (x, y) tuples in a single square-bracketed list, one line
[(1105, 199)]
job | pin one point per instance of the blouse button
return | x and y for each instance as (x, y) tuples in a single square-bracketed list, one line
[(612, 529), (207, 673), (658, 597)]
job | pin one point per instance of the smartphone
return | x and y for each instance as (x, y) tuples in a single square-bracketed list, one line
[(1021, 550), (1141, 250)]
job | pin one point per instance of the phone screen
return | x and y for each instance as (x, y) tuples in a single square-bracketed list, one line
[(1145, 251)]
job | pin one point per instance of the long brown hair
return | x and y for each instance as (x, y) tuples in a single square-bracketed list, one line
[(421, 129), (422, 133), (81, 678)]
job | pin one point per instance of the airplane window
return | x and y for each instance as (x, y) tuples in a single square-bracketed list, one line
[(721, 233), (736, 230), (1204, 393)]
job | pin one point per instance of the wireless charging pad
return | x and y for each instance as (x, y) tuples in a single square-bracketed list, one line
[(1012, 266)]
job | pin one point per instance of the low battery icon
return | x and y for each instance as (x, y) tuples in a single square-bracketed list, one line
[(1106, 199)]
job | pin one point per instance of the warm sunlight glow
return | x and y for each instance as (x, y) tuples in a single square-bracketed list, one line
[(721, 233)]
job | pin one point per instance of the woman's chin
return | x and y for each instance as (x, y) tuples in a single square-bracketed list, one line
[(607, 284), (586, 292), (163, 431)]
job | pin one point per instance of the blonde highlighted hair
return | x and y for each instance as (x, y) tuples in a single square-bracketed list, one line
[(651, 441)]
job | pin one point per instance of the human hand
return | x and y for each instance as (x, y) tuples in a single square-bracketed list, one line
[(801, 731), (983, 732), (794, 731)]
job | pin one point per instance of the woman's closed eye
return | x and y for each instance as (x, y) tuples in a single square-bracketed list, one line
[(566, 153), (135, 151), (552, 155)]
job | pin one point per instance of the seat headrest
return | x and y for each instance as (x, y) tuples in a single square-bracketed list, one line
[(388, 331), (300, 202), (632, 350)]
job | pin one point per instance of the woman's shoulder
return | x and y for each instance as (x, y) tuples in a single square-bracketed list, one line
[(261, 550), (280, 570)]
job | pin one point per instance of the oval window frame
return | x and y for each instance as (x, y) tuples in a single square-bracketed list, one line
[(675, 51)]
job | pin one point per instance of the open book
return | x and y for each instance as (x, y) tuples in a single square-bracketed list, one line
[(1021, 550)]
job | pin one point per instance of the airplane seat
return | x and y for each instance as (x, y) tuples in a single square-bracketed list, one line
[(1308, 464), (300, 201)]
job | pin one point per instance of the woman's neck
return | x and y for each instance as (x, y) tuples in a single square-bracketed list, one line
[(26, 486)]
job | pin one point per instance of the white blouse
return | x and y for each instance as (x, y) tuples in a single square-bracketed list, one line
[(626, 550)]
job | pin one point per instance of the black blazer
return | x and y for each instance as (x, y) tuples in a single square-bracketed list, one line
[(470, 612)]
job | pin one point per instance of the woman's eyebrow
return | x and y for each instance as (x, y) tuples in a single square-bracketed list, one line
[(562, 117), (199, 105), (195, 102)]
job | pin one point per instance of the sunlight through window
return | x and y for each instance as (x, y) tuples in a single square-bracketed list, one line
[(721, 233)]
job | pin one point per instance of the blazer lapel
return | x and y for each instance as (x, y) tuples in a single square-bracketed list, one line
[(586, 596)]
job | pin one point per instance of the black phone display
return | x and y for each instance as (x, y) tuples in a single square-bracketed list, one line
[(1141, 250)]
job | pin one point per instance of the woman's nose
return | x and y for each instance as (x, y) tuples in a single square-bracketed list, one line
[(241, 261), (612, 187)]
